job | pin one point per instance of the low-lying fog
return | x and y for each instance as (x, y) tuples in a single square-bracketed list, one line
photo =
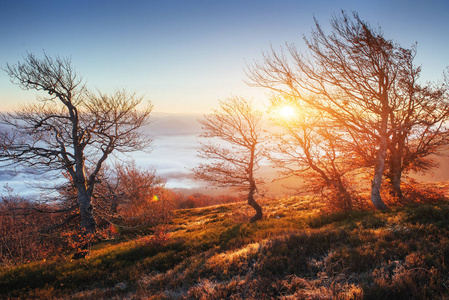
[(173, 154)]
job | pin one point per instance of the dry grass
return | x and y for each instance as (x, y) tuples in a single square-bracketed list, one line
[(297, 251)]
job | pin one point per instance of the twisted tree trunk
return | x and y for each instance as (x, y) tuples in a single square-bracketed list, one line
[(253, 203)]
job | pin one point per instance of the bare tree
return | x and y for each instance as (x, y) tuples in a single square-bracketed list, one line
[(131, 196), (308, 145), (70, 129), (417, 126), (355, 76), (235, 154)]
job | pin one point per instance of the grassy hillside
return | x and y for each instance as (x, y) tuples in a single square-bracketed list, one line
[(296, 252)]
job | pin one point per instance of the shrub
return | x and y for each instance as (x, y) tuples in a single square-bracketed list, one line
[(415, 192), (29, 231)]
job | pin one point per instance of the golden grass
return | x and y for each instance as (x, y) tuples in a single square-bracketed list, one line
[(298, 251)]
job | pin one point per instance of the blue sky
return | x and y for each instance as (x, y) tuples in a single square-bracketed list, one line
[(185, 55)]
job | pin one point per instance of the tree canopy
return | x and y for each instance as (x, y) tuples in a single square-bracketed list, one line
[(366, 85), (70, 128), (234, 148)]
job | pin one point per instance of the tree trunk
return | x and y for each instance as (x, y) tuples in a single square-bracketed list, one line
[(344, 198), (252, 188), (88, 224), (376, 184), (395, 177), (376, 199), (396, 163), (396, 184), (253, 203)]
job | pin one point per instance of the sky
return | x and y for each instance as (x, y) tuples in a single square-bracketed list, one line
[(183, 56)]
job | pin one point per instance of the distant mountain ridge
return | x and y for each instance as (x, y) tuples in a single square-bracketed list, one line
[(163, 124)]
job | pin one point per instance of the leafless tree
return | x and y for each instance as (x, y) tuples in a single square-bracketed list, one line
[(417, 126), (131, 196), (70, 129), (358, 78), (308, 145), (234, 149)]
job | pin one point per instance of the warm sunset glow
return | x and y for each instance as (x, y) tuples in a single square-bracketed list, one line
[(286, 112)]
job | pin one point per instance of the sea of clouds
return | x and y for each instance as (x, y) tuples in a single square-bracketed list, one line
[(172, 154)]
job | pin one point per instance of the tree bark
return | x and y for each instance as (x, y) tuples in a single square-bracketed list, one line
[(376, 184), (344, 197), (252, 202), (396, 163), (395, 177), (376, 199), (88, 224), (252, 187), (396, 184)]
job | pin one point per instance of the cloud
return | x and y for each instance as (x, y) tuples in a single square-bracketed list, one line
[(173, 154)]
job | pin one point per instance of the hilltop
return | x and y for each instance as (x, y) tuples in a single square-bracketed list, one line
[(297, 251)]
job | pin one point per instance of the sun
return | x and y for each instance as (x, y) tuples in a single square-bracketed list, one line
[(287, 112)]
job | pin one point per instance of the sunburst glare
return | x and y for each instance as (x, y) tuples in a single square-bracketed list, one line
[(286, 112)]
